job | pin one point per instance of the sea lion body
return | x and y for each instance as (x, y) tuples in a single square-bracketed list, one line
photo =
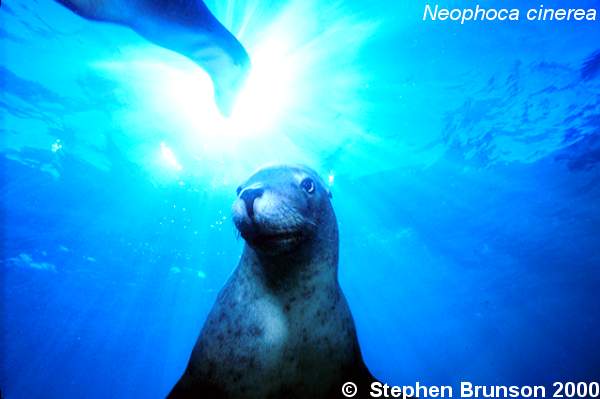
[(185, 26), (281, 327)]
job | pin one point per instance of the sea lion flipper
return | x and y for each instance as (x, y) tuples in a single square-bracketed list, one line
[(184, 26), (228, 65)]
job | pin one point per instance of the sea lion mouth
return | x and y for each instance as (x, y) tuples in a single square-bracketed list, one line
[(280, 237), (262, 239), (266, 221)]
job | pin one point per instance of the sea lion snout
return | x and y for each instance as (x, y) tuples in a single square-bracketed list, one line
[(267, 219), (278, 207), (248, 196)]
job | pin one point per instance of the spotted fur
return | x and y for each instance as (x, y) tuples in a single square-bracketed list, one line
[(281, 327)]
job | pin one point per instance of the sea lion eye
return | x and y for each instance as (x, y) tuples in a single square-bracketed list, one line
[(238, 190), (308, 185)]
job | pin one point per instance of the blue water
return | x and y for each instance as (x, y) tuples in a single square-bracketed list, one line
[(464, 162)]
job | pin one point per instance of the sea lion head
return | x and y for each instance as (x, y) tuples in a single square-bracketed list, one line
[(282, 209)]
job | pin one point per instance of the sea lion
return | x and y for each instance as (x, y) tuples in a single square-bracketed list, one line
[(184, 26), (281, 327)]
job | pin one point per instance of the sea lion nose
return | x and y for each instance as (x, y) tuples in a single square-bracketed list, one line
[(248, 196)]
